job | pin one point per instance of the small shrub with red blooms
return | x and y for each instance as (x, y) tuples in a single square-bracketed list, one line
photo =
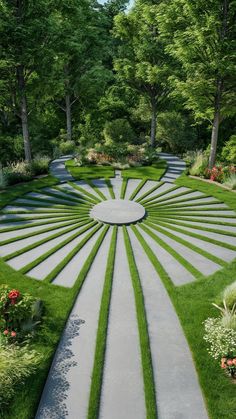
[(17, 314)]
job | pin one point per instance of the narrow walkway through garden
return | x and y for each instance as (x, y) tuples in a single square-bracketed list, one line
[(123, 353), (58, 169)]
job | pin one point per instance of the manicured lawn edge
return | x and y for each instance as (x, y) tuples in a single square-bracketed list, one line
[(149, 383), (96, 189), (110, 188), (137, 189), (123, 187), (100, 349)]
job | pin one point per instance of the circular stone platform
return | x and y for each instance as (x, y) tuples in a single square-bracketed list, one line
[(118, 211)]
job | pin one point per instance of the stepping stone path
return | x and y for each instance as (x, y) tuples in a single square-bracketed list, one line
[(52, 235)]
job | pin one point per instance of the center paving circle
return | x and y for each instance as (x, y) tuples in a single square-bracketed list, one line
[(118, 211)]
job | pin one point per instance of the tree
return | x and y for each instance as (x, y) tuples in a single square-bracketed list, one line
[(24, 32), (143, 62), (201, 36)]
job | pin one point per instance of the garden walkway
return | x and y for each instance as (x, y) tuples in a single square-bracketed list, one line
[(58, 169), (120, 273)]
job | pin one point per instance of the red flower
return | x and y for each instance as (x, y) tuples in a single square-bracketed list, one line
[(13, 294), (230, 362), (13, 334), (6, 332)]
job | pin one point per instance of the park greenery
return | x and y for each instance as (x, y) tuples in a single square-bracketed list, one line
[(78, 75), (112, 88)]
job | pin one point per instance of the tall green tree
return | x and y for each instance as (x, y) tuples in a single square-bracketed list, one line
[(143, 63), (24, 33), (202, 37)]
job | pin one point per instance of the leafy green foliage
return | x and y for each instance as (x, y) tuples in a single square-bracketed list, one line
[(229, 150), (118, 131)]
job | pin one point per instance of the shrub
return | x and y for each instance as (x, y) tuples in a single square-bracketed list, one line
[(40, 165), (230, 182), (229, 150), (18, 172), (229, 295), (118, 131), (220, 334), (16, 365), (200, 164), (19, 314), (67, 147)]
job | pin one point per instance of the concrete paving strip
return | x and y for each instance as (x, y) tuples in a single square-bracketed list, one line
[(202, 264), (62, 194), (223, 253), (83, 184), (59, 199), (182, 217), (72, 373), (102, 186), (215, 236), (148, 185), (20, 261), (131, 186), (44, 268), (122, 391), (178, 392), (20, 244), (67, 277), (176, 271), (175, 167), (116, 184), (29, 230), (206, 225)]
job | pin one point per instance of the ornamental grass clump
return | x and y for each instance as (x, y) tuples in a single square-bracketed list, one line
[(19, 315), (220, 334), (16, 365)]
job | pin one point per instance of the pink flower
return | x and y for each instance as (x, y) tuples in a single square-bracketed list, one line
[(6, 332), (13, 334), (230, 362)]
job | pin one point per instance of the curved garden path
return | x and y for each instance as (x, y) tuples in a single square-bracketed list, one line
[(123, 353)]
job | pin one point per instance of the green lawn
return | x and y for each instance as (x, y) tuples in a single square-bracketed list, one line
[(193, 303), (155, 172), (89, 172)]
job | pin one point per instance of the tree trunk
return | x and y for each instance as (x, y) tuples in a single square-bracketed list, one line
[(24, 112), (215, 126), (68, 117), (153, 124)]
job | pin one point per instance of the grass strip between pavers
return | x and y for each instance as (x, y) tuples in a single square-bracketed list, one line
[(186, 205), (52, 275), (204, 238), (195, 214), (153, 189), (58, 197), (153, 259), (167, 222), (77, 195), (148, 378), (36, 224), (110, 188), (183, 210), (31, 218), (32, 246), (184, 262), (188, 244), (101, 339), (83, 191), (46, 201), (137, 189), (88, 263), (97, 190), (123, 187), (196, 220), (153, 198), (36, 233), (196, 198), (169, 198)]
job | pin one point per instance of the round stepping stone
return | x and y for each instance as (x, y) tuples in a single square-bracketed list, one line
[(118, 211)]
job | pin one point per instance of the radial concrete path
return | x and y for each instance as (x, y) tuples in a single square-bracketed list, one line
[(51, 236)]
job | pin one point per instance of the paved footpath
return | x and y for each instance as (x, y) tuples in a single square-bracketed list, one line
[(175, 230)]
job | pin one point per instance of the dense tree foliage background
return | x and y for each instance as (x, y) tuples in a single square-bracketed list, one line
[(72, 69)]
